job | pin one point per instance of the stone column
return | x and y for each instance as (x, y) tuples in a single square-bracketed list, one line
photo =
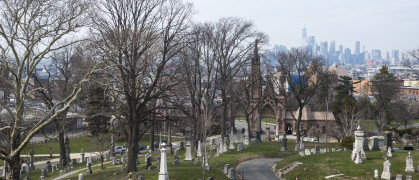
[(259, 129), (284, 143), (31, 153), (82, 156), (188, 154), (231, 140), (163, 174), (268, 134), (199, 151)]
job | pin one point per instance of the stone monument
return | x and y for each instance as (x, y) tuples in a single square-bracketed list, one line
[(163, 174), (188, 154), (284, 147), (386, 170), (409, 164)]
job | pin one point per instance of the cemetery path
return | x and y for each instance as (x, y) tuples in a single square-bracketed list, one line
[(258, 169), (75, 171)]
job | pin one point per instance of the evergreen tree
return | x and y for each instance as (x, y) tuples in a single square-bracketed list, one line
[(97, 111)]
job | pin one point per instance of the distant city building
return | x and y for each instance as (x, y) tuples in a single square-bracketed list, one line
[(323, 49), (357, 48), (376, 54)]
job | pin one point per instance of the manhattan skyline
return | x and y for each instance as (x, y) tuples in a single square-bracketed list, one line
[(377, 24)]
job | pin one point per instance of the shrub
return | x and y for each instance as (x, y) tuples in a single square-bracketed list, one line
[(348, 141)]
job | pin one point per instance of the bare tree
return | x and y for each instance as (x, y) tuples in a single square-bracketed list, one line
[(231, 42), (29, 32), (349, 119), (300, 74), (139, 38)]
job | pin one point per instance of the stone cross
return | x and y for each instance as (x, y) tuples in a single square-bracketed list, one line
[(386, 170), (163, 174), (188, 155), (409, 164), (199, 151)]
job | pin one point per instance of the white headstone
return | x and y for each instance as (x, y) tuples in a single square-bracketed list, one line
[(246, 141), (163, 174), (307, 152), (389, 154), (220, 150), (81, 176), (188, 154), (409, 164), (301, 153), (376, 174), (225, 145), (386, 170), (358, 159), (239, 147)]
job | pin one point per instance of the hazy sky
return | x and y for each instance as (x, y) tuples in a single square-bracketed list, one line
[(378, 24)]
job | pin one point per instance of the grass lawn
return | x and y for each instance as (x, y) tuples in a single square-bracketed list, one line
[(321, 165), (188, 170), (370, 124)]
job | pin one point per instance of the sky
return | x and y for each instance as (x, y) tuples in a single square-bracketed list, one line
[(377, 24)]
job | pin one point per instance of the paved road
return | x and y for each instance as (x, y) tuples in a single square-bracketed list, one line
[(258, 169)]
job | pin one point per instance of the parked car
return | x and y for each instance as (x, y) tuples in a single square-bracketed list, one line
[(142, 147), (120, 149), (156, 144)]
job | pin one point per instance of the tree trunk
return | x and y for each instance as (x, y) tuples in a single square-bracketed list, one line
[(152, 135), (62, 148), (14, 167), (224, 118), (133, 147), (249, 135)]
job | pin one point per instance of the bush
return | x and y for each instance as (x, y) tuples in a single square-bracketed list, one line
[(348, 141)]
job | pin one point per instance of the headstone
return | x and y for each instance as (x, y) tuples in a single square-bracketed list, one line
[(408, 177), (123, 159), (375, 146), (399, 177), (409, 164), (231, 140), (49, 167), (32, 153), (268, 134), (358, 159), (365, 145), (74, 163), (376, 174), (82, 160), (114, 161), (313, 151), (317, 148), (44, 172), (284, 146), (176, 156), (231, 173), (221, 148), (301, 153), (81, 176), (239, 147), (344, 149), (333, 149), (181, 146), (199, 151), (163, 174), (307, 152), (217, 153), (196, 161), (388, 141), (389, 154), (386, 170), (226, 168), (188, 155), (148, 162), (225, 145), (246, 141), (212, 147), (89, 168), (302, 146), (61, 172), (23, 170)]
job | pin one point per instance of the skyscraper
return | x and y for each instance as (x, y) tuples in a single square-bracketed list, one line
[(332, 49), (323, 49), (376, 54), (304, 36), (357, 47)]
